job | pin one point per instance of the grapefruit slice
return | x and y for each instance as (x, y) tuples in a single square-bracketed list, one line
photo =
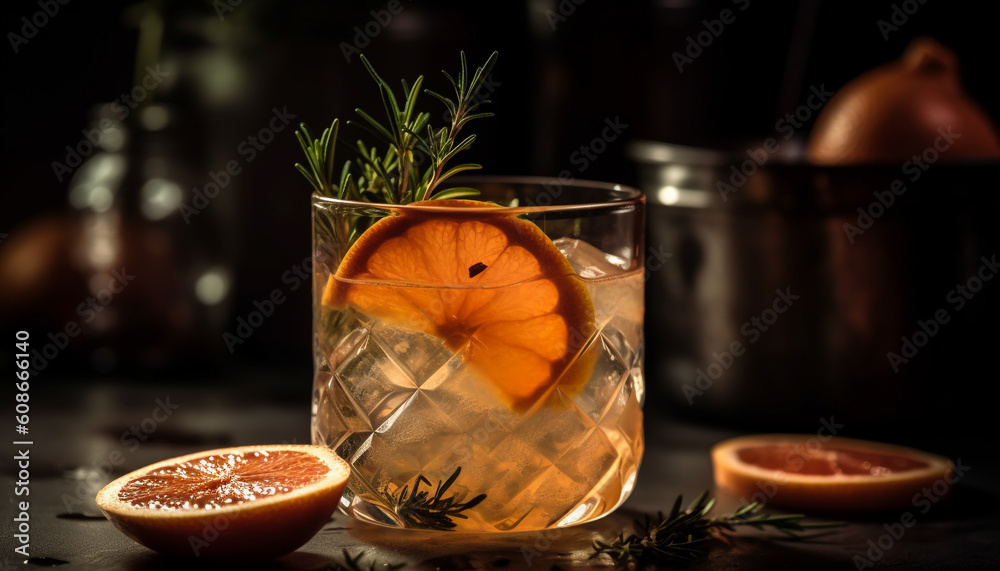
[(493, 287), (801, 472), (242, 503)]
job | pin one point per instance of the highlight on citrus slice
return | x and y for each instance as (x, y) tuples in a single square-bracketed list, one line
[(804, 472), (242, 503), (492, 286)]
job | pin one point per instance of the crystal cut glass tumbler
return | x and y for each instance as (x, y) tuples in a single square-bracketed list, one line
[(480, 364)]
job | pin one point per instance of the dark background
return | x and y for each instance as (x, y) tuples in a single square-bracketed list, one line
[(555, 89)]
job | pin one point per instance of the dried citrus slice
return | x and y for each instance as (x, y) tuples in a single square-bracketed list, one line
[(243, 503), (803, 472), (493, 287)]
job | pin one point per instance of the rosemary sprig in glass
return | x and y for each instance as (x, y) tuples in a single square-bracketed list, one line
[(683, 536), (420, 509), (395, 175)]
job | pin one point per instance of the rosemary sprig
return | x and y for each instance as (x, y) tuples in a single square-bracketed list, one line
[(395, 176), (441, 145), (684, 536), (420, 509)]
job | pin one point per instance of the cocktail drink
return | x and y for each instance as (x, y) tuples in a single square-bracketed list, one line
[(479, 363)]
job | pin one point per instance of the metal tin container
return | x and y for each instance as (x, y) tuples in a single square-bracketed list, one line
[(791, 295)]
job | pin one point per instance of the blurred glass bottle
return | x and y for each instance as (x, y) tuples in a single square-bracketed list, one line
[(154, 257)]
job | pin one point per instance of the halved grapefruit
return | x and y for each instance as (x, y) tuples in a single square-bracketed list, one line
[(803, 472), (242, 503)]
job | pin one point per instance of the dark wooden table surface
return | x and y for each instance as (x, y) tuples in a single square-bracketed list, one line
[(77, 427)]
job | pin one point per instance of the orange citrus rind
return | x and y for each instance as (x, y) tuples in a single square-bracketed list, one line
[(805, 472), (257, 529)]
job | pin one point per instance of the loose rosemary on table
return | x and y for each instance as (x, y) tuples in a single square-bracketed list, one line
[(684, 536)]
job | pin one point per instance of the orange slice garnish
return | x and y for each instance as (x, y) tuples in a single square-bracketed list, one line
[(493, 287), (242, 503), (803, 472)]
